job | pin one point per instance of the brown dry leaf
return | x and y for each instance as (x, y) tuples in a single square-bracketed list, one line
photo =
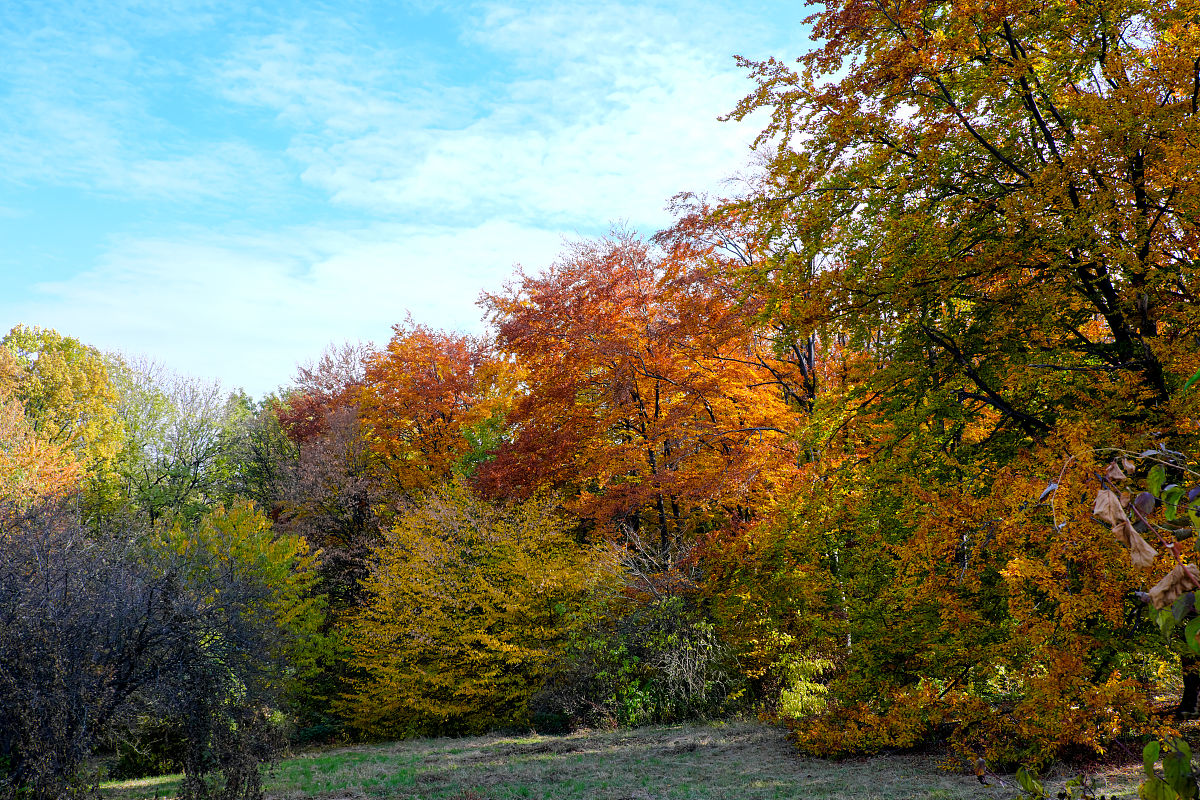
[(1108, 508), (1180, 580), (1140, 551), (1129, 465), (1124, 532), (1113, 473)]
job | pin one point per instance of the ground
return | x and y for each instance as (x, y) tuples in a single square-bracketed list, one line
[(706, 761)]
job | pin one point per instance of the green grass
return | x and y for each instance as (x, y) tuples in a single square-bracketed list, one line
[(736, 760)]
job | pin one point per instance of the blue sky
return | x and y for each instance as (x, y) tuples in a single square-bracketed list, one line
[(227, 190)]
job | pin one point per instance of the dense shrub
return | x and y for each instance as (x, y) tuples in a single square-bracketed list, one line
[(97, 634), (469, 605), (635, 663)]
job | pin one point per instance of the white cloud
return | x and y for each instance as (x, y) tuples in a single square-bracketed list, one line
[(413, 174), (82, 102), (246, 309), (601, 112)]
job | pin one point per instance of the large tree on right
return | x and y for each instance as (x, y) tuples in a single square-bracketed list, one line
[(987, 214), (1009, 190)]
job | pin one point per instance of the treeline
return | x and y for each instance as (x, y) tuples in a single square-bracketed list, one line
[(896, 444)]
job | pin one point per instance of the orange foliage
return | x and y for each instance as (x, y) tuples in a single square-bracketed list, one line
[(431, 401), (986, 215), (645, 395), (31, 468)]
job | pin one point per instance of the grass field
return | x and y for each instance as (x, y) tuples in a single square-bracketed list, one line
[(736, 760)]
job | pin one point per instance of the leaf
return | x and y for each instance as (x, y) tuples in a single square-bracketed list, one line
[(1183, 605), (1166, 622), (1183, 578), (1114, 473), (1028, 783), (1174, 763), (1189, 634), (1155, 789), (1141, 554), (1156, 478), (1108, 507), (1049, 490), (1184, 750), (1190, 382), (1170, 498), (1144, 502), (1150, 757)]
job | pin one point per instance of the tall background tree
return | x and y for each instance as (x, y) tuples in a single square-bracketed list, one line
[(644, 399)]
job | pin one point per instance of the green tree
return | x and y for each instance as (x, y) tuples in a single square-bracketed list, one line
[(178, 439)]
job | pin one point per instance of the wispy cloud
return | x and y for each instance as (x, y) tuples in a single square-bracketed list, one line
[(248, 308), (84, 104), (292, 173), (601, 112)]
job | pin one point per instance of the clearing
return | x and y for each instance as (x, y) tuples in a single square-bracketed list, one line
[(706, 761)]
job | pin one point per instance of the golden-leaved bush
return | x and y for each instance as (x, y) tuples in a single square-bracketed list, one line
[(468, 605)]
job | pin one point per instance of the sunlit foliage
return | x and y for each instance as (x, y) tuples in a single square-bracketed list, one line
[(468, 604)]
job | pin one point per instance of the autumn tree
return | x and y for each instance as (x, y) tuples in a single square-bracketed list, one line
[(66, 391), (468, 604), (985, 214), (1003, 194), (329, 489), (434, 403), (329, 383), (31, 468), (645, 397)]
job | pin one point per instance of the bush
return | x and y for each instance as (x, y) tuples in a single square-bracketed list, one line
[(638, 663), (155, 747), (468, 606), (97, 634)]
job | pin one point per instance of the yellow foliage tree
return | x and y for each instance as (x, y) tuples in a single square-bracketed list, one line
[(30, 467), (468, 605), (66, 392)]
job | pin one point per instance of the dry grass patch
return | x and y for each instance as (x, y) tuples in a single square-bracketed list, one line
[(736, 760)]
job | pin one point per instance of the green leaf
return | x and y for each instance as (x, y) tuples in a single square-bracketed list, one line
[(1190, 381), (1184, 750), (1149, 758), (1155, 789), (1173, 769), (1166, 622), (1028, 783), (1156, 478), (1170, 500), (1190, 632)]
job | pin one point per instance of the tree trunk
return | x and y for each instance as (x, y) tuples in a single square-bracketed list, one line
[(1189, 702)]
